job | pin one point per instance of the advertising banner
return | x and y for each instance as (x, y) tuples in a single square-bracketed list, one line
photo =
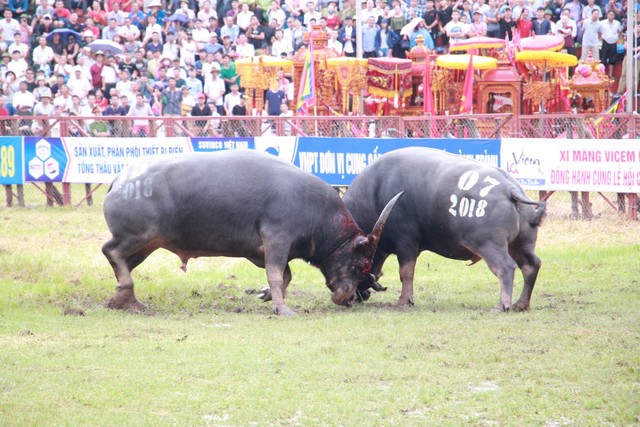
[(94, 160), (573, 165), (339, 160), (11, 161)]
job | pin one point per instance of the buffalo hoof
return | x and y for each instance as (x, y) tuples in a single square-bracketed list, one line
[(500, 308), (408, 302), (283, 310), (521, 306), (129, 304), (264, 294)]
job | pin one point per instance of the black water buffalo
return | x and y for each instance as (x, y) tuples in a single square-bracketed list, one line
[(237, 204), (455, 207)]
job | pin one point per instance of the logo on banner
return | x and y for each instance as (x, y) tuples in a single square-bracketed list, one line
[(43, 163)]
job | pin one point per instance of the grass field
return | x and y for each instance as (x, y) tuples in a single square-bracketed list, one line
[(211, 354)]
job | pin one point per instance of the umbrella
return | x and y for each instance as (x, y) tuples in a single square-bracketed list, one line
[(264, 61), (461, 62), (107, 46), (477, 42), (547, 58), (179, 17), (547, 42), (64, 34), (408, 29)]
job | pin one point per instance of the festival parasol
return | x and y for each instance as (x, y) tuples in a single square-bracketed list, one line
[(547, 58), (64, 34), (546, 42), (461, 62), (477, 42), (264, 61)]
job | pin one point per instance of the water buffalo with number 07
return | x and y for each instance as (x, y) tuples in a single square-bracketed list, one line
[(236, 204), (453, 206)]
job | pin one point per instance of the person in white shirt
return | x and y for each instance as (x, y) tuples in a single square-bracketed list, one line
[(200, 34), (280, 46), (23, 100), (79, 85), (276, 12), (64, 99), (611, 32), (109, 75), (8, 28), (42, 56), (188, 48), (205, 13), (232, 99), (18, 65), (243, 19), (152, 27), (125, 87), (128, 29), (243, 48), (333, 42), (214, 88), (311, 13), (19, 45), (171, 48)]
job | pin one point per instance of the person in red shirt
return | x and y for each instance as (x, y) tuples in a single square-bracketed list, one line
[(96, 70), (524, 24), (60, 11)]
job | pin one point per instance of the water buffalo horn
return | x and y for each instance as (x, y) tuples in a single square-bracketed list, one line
[(374, 237)]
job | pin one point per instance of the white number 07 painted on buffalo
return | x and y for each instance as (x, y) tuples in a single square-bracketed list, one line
[(470, 207)]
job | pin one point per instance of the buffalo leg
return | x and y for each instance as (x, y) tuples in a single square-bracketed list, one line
[(407, 258), (275, 262), (530, 264), (122, 265), (503, 266), (407, 270), (265, 293)]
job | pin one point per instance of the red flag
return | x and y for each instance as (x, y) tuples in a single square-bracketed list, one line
[(466, 103), (427, 102)]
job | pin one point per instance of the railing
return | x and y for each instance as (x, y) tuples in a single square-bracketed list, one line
[(550, 126)]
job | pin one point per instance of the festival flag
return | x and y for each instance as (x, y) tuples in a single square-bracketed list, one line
[(427, 102), (307, 92), (466, 103)]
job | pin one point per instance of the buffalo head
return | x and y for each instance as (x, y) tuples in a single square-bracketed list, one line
[(348, 269)]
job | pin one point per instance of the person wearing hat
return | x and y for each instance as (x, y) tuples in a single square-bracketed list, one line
[(507, 24), (201, 109), (212, 46), (478, 27), (215, 88), (541, 25), (155, 10), (386, 39), (41, 88)]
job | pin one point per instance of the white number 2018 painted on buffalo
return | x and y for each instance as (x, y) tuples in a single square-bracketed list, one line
[(468, 206)]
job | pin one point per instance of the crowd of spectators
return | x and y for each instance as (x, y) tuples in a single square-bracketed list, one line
[(178, 56)]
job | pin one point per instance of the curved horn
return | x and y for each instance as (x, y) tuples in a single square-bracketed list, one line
[(374, 237)]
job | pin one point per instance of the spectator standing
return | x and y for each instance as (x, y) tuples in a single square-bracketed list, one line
[(369, 37), (109, 76), (171, 99), (215, 89), (347, 36), (541, 26), (592, 31), (386, 39), (243, 48), (201, 109), (611, 31), (524, 24), (507, 24), (567, 29), (141, 108)]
